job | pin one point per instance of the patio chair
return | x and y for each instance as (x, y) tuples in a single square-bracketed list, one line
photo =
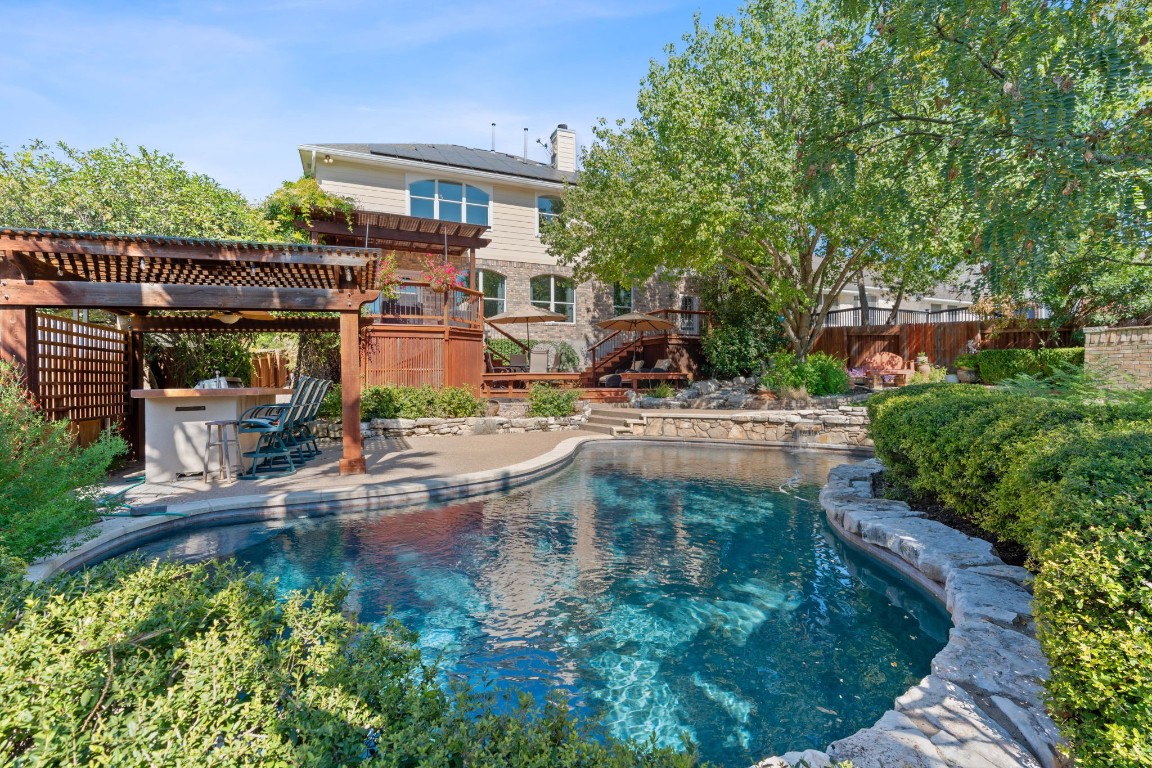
[(538, 360), (518, 363), (274, 424), (661, 366), (302, 434)]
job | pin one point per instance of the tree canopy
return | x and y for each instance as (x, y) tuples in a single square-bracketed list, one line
[(730, 168), (1041, 112), (116, 189)]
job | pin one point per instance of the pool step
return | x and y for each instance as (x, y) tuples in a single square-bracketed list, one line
[(612, 421)]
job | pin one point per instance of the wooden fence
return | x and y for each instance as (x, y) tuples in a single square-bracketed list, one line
[(81, 373), (942, 342), (417, 355), (269, 368)]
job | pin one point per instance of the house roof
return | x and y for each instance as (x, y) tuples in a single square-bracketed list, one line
[(455, 156)]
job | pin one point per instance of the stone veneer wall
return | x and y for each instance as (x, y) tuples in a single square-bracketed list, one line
[(498, 425), (841, 426), (1123, 351)]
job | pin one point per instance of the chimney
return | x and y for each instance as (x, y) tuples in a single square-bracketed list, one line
[(563, 149)]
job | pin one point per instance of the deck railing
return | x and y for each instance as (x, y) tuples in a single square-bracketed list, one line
[(876, 316), (689, 323), (417, 303)]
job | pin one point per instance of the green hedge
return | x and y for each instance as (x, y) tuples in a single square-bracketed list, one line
[(190, 665), (996, 365), (1072, 482), (820, 375), (546, 400), (399, 402)]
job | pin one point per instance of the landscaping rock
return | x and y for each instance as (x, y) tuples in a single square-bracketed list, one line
[(1036, 729), (963, 733), (894, 742), (933, 548), (973, 596), (988, 660)]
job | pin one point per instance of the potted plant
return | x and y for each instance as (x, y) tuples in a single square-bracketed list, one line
[(966, 369), (440, 276), (922, 365)]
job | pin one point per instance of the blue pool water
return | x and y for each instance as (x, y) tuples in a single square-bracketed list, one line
[(693, 590)]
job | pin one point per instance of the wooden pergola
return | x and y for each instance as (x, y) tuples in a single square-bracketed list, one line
[(135, 274)]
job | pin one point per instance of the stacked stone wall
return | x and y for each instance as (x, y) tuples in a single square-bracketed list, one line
[(497, 425), (840, 426), (1122, 354)]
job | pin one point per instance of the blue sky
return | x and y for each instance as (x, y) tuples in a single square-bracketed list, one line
[(231, 88)]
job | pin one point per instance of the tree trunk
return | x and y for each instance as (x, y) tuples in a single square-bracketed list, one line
[(896, 306), (863, 294)]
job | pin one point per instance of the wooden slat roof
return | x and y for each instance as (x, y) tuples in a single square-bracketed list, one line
[(403, 234), (53, 255)]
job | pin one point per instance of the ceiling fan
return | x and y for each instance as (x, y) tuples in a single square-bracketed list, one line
[(228, 318)]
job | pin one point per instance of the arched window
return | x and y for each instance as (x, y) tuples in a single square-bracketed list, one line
[(547, 207), (493, 285), (555, 293), (622, 302), (448, 201)]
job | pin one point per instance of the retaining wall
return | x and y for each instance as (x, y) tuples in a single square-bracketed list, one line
[(844, 425), (494, 425)]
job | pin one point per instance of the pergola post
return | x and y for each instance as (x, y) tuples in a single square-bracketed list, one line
[(353, 461), (18, 342)]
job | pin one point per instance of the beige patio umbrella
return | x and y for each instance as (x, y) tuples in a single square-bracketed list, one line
[(636, 321), (528, 315)]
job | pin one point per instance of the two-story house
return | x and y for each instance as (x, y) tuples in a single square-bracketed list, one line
[(511, 196)]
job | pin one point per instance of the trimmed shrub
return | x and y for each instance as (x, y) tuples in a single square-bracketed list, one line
[(820, 375), (424, 402), (204, 665), (996, 365), (546, 400), (731, 351), (41, 468), (1072, 481)]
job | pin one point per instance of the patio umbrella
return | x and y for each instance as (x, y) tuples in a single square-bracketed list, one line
[(636, 321), (527, 316)]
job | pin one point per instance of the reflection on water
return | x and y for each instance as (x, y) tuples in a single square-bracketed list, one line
[(666, 589)]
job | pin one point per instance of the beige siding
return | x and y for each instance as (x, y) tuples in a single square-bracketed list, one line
[(513, 233), (373, 188)]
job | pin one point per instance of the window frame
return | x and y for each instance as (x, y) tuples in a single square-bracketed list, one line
[(540, 214), (552, 303), (411, 179), (484, 299), (631, 300)]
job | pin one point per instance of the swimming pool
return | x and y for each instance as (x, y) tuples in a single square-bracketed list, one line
[(670, 589)]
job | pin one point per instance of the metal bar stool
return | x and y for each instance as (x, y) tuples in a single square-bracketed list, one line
[(221, 435)]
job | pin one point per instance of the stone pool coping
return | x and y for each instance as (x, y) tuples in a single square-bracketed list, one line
[(982, 705)]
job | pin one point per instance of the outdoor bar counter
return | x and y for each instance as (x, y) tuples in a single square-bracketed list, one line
[(174, 425)]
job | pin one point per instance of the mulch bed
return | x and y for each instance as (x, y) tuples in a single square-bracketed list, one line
[(1008, 551)]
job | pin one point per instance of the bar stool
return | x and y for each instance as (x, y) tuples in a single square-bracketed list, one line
[(221, 435)]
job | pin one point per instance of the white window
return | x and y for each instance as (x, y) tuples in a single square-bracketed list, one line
[(493, 285), (448, 201), (555, 293), (623, 300), (547, 207)]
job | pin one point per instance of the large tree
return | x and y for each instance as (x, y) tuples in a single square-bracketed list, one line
[(116, 189), (1042, 114), (727, 169)]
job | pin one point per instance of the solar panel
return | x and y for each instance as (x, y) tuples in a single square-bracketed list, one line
[(475, 159)]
